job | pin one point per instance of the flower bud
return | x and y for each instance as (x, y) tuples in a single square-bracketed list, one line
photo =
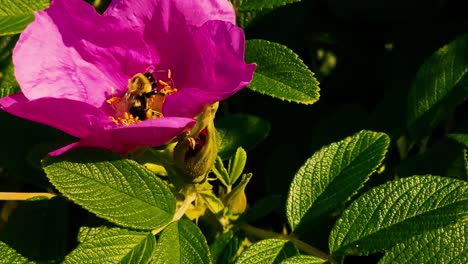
[(195, 155)]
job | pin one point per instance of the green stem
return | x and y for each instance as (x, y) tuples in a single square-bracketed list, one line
[(180, 212), (306, 248), (185, 205), (17, 196)]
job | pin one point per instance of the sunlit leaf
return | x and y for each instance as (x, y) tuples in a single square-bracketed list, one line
[(268, 251), (333, 174), (9, 255), (86, 233), (116, 189), (16, 15), (444, 245), (182, 242), (237, 164), (303, 259), (115, 246), (220, 171), (214, 204), (397, 211), (280, 73)]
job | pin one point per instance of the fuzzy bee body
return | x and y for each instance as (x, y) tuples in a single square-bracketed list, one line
[(140, 88)]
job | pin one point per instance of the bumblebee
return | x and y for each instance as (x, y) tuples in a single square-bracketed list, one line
[(141, 87)]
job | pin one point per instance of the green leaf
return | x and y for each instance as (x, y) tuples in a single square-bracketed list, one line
[(236, 165), (303, 259), (461, 138), (219, 245), (225, 248), (444, 245), (240, 130), (182, 242), (115, 246), (86, 233), (214, 204), (440, 85), (116, 189), (16, 15), (247, 18), (9, 255), (334, 174), (8, 84), (280, 73), (396, 211), (220, 171), (268, 251), (248, 5)]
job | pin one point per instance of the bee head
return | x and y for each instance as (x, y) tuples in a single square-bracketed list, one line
[(152, 80)]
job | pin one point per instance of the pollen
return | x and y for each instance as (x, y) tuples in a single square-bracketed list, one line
[(144, 98)]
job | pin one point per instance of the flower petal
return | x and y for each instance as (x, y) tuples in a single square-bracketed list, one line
[(153, 133), (73, 117), (198, 41), (70, 51), (213, 68), (161, 12)]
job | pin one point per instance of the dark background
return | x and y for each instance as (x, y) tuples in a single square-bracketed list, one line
[(365, 55)]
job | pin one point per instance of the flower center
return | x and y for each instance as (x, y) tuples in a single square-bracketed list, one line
[(144, 98)]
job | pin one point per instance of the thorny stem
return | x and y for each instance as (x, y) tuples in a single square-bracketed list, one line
[(180, 212), (308, 249), (17, 196)]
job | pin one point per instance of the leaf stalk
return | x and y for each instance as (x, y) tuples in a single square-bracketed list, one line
[(18, 196)]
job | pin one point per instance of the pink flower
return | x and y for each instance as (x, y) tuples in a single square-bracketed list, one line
[(74, 67)]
